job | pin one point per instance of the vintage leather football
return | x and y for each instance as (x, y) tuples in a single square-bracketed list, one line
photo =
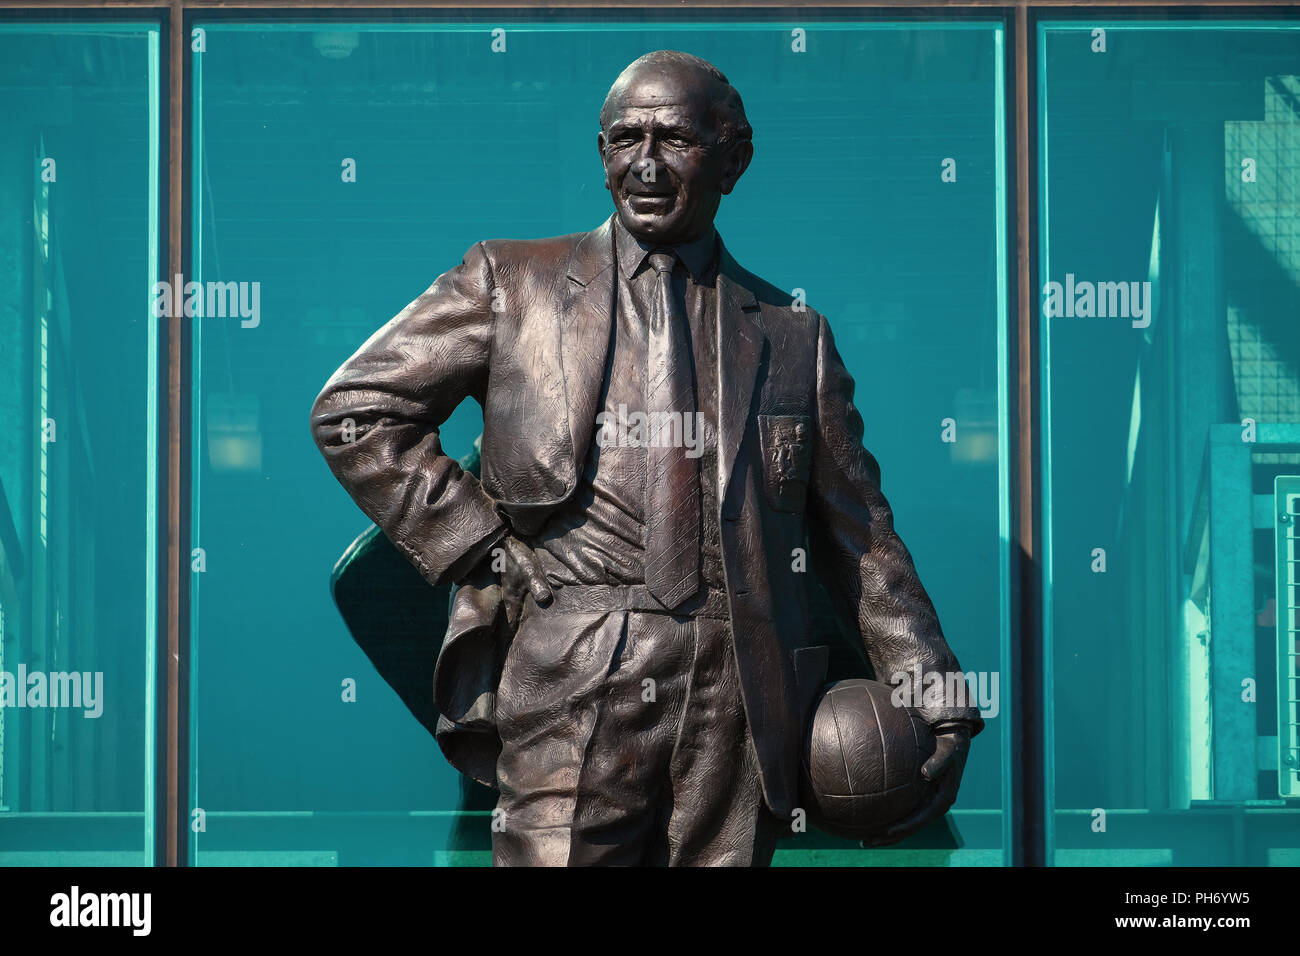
[(862, 760)]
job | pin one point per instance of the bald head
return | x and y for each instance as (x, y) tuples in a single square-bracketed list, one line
[(692, 73)]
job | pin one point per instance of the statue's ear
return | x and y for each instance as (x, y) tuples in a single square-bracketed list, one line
[(734, 164), (600, 147)]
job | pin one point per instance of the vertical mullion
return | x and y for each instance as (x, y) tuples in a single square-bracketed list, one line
[(153, 600), (1027, 731), (175, 246)]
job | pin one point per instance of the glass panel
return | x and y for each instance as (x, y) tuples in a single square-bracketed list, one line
[(78, 260), (1171, 368), (340, 168)]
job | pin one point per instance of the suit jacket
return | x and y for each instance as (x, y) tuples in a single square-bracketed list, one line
[(525, 327)]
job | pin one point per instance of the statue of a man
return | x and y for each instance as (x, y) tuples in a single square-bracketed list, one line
[(630, 661)]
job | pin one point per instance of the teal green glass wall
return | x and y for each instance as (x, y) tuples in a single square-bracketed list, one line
[(1171, 425), (1170, 166), (877, 187), (79, 140)]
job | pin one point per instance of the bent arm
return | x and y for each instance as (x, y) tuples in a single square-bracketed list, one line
[(377, 420), (867, 571)]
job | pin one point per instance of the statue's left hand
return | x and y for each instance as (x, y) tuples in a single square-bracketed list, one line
[(944, 771)]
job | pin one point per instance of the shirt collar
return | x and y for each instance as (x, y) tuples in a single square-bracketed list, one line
[(697, 255)]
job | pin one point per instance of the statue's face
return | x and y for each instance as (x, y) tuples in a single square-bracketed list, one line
[(663, 163)]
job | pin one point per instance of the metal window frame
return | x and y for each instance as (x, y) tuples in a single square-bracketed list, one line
[(1025, 738), (1286, 523)]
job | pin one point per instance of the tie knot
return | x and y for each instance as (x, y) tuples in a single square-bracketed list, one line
[(663, 262)]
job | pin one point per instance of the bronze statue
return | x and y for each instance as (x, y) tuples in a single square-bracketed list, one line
[(630, 661)]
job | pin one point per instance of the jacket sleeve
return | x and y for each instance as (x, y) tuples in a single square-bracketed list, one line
[(863, 563), (377, 420)]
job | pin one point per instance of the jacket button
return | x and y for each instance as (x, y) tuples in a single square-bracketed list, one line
[(557, 487)]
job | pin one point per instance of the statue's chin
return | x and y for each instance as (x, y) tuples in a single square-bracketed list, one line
[(653, 227)]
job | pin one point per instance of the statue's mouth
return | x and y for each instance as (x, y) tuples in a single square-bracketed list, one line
[(650, 201)]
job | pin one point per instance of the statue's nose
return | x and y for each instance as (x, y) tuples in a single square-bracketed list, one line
[(648, 169)]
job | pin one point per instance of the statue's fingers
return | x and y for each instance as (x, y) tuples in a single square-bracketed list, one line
[(941, 762), (933, 808), (533, 574)]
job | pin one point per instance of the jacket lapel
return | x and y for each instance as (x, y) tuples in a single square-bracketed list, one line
[(586, 319), (585, 322), (740, 351)]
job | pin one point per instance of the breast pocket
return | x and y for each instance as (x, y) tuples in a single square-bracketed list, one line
[(785, 442)]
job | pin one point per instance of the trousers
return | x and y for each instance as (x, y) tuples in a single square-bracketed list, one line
[(624, 738)]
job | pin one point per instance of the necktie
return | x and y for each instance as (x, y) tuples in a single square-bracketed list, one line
[(672, 553)]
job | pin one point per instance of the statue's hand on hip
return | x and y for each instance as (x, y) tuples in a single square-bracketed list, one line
[(521, 576)]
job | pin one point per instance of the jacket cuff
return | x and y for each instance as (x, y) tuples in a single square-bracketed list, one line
[(450, 548), (950, 725), (464, 566), (947, 723)]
